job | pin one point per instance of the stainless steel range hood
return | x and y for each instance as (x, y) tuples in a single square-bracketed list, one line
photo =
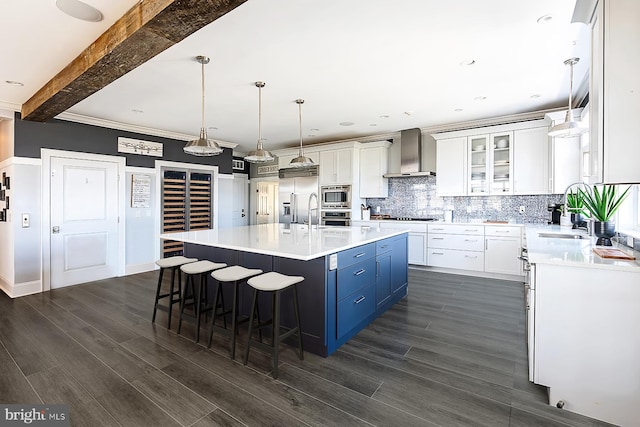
[(410, 155)]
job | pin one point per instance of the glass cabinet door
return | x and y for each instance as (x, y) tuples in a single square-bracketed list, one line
[(500, 163), (479, 156)]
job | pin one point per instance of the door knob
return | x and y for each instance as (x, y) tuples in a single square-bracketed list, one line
[(55, 229)]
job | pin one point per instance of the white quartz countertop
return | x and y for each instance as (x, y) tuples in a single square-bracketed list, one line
[(393, 221), (295, 241), (574, 252)]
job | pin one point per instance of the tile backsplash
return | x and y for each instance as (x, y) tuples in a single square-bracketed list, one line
[(416, 197)]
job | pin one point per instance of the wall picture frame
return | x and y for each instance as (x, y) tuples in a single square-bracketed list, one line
[(7, 182), (2, 195), (6, 201)]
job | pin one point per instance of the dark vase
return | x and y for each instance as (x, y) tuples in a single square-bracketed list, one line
[(604, 231), (576, 220)]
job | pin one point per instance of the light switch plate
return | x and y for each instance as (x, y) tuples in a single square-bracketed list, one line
[(630, 241), (25, 220)]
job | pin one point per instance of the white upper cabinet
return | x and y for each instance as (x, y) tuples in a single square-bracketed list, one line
[(451, 164), (531, 161), (336, 167), (614, 94), (490, 164), (374, 163)]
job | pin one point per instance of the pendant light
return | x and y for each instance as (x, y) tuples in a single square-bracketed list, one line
[(259, 155), (202, 146), (301, 161), (570, 127)]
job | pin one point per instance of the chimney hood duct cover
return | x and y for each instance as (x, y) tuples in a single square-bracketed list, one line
[(410, 155)]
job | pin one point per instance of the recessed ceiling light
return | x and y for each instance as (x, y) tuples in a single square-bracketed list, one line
[(457, 110), (312, 135), (535, 96), (480, 98), (79, 10), (408, 113), (373, 124), (315, 130), (346, 123), (14, 83), (213, 128), (467, 62), (544, 19), (135, 110), (384, 116)]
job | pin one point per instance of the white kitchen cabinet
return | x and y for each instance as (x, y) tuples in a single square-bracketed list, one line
[(531, 161), (374, 163), (613, 92), (451, 169), (336, 167), (490, 164), (503, 246), (456, 246)]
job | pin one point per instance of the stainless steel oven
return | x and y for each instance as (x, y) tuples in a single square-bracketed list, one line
[(335, 197), (336, 218)]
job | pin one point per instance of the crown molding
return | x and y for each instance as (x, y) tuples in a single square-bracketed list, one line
[(87, 120)]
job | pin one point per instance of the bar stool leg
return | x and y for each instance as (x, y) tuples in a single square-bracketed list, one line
[(198, 304), (276, 332), (253, 309), (155, 305), (171, 291), (234, 320), (189, 281), (297, 313)]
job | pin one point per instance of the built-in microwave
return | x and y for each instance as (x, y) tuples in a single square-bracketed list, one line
[(336, 196), (339, 218)]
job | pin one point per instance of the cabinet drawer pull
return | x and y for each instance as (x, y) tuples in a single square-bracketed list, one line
[(503, 231), (437, 238), (384, 246), (437, 253), (359, 272), (470, 240), (470, 229), (471, 256), (359, 300), (439, 229), (361, 254)]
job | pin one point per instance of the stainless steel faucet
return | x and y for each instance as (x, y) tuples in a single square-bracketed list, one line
[(311, 196)]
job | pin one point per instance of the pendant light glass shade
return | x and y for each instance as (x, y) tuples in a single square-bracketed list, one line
[(570, 127), (301, 161), (202, 146), (259, 155)]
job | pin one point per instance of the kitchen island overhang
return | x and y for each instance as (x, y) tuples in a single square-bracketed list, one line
[(352, 274)]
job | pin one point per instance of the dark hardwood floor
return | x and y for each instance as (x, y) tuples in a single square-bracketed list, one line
[(453, 353)]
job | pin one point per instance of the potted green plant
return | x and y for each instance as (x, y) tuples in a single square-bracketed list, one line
[(575, 206), (602, 205)]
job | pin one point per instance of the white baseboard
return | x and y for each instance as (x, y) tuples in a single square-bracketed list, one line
[(498, 276), (139, 268), (21, 289)]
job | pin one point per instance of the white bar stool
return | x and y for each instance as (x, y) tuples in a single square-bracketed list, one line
[(171, 263), (234, 274), (275, 283), (201, 268)]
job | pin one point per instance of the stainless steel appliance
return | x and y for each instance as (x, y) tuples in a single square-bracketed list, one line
[(294, 190), (339, 218), (335, 197)]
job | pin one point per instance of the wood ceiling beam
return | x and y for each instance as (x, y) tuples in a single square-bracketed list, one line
[(147, 29)]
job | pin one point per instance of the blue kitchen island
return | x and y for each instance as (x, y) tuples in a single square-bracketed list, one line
[(352, 274)]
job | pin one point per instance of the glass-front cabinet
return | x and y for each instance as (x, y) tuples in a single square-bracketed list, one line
[(490, 164)]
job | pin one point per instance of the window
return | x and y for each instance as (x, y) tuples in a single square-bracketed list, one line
[(629, 213)]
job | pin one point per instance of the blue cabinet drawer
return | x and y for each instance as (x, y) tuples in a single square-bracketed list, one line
[(356, 276), (355, 255), (355, 308), (383, 246)]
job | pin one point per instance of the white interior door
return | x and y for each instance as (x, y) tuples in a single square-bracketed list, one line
[(84, 221), (240, 201)]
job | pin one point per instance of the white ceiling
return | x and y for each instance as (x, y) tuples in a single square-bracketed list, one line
[(352, 61)]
